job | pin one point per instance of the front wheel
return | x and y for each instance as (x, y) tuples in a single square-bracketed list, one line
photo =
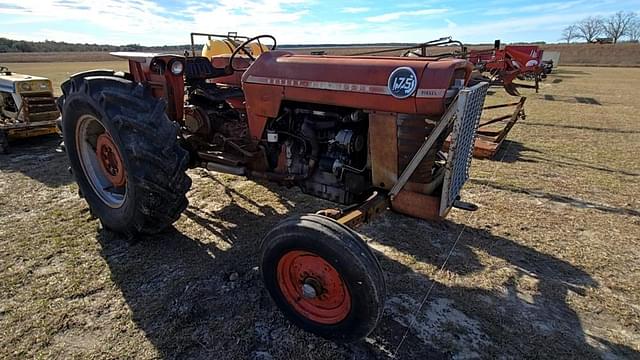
[(124, 153), (323, 277)]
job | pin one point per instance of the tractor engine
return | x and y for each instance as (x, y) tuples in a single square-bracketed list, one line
[(327, 149), (324, 151)]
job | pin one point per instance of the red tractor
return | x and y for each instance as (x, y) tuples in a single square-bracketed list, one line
[(522, 62), (364, 132)]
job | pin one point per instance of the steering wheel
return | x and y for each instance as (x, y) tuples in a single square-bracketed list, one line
[(243, 47)]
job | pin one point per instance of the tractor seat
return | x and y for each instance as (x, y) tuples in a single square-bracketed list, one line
[(200, 68)]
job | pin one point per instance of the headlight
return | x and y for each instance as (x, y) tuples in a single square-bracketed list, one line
[(44, 86), (25, 86), (177, 67)]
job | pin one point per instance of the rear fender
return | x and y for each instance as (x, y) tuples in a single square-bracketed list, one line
[(154, 70)]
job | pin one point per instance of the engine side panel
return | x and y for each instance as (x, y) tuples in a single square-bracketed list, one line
[(383, 148)]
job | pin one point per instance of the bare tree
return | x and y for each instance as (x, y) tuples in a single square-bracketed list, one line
[(634, 30), (570, 33), (590, 28), (617, 25)]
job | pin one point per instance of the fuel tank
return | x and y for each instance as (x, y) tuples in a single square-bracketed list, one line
[(393, 84)]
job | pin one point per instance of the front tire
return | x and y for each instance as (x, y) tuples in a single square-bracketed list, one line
[(124, 153), (323, 277)]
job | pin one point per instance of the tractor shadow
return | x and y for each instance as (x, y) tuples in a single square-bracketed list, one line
[(559, 198), (569, 99), (579, 127), (194, 297), (35, 158), (514, 151), (568, 74), (196, 292), (515, 300)]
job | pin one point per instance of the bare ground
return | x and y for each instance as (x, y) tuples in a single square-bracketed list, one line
[(547, 268)]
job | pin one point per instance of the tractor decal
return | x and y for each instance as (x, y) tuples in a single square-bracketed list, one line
[(403, 82), (431, 93)]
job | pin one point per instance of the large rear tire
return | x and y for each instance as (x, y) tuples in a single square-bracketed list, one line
[(323, 277), (124, 152)]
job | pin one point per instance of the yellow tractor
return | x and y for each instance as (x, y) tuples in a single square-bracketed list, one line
[(27, 107)]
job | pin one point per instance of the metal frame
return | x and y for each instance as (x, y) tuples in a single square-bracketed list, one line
[(423, 48), (489, 141)]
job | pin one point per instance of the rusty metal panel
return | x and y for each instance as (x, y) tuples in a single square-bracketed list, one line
[(485, 148), (413, 130), (417, 205), (383, 146), (262, 104)]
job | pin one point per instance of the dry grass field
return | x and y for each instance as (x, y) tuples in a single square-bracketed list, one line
[(547, 268), (58, 57), (571, 54)]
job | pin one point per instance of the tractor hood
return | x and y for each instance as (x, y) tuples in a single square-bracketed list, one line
[(15, 77), (14, 82), (394, 84)]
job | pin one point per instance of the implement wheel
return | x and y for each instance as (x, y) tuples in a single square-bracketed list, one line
[(323, 277), (124, 153)]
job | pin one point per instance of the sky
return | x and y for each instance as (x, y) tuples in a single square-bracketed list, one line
[(169, 22)]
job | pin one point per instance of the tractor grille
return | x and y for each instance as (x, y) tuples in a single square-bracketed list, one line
[(465, 126), (39, 107)]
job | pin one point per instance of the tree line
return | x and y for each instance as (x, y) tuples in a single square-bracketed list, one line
[(8, 45), (614, 28)]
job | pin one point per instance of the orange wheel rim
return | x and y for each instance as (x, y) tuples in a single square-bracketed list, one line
[(110, 160), (313, 287)]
